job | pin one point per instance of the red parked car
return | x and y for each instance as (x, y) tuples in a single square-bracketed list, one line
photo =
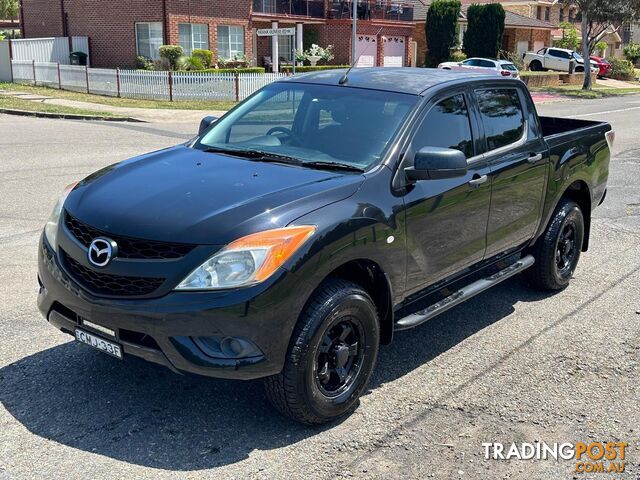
[(604, 66)]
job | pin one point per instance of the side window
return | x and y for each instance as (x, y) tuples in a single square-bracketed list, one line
[(554, 53), (446, 126), (471, 63), (487, 64), (501, 116)]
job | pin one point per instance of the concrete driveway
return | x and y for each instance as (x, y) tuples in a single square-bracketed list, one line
[(511, 365)]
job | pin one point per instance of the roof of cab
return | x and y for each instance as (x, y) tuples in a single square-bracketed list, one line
[(401, 80)]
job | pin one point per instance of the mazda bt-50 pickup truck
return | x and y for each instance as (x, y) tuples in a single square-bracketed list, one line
[(293, 236)]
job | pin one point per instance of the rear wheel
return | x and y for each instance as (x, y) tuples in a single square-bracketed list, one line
[(535, 66), (331, 355), (557, 252)]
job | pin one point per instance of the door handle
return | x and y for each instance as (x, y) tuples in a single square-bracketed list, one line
[(478, 180), (535, 158)]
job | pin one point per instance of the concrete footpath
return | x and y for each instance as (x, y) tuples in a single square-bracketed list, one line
[(155, 115)]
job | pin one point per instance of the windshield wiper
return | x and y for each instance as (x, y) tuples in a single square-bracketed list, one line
[(333, 166), (262, 156), (257, 155)]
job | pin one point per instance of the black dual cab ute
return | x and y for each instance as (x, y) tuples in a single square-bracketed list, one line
[(295, 234)]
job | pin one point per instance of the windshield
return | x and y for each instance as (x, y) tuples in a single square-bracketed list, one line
[(509, 66), (313, 123), (577, 56)]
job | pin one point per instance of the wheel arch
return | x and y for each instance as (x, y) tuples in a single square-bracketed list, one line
[(370, 276), (580, 193)]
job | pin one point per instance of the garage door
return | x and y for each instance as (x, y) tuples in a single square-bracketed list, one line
[(522, 48), (366, 51), (393, 51)]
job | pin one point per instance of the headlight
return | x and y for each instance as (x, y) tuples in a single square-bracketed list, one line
[(51, 227), (248, 260)]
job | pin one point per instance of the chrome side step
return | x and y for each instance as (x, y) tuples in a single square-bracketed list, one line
[(463, 294)]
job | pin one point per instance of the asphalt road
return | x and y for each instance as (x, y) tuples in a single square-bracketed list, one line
[(509, 365)]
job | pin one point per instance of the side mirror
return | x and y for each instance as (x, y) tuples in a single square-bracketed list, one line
[(431, 163), (206, 123)]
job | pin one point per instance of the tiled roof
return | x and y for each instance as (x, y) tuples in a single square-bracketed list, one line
[(511, 19)]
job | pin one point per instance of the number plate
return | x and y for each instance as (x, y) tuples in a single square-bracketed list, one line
[(99, 343)]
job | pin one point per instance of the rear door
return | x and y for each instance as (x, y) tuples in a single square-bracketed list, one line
[(518, 159), (446, 219)]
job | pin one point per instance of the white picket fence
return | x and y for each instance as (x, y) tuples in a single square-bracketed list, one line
[(142, 83)]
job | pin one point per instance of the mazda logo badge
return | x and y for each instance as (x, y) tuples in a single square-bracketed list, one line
[(101, 251)]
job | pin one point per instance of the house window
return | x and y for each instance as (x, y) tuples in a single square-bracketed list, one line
[(230, 41), (285, 47), (571, 17), (547, 13), (562, 15), (193, 36), (539, 12), (149, 39)]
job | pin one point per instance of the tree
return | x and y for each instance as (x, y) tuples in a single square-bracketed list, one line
[(569, 38), (8, 9), (597, 17), (485, 28), (441, 29), (632, 52)]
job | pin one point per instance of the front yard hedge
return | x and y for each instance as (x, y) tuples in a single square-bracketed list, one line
[(309, 68)]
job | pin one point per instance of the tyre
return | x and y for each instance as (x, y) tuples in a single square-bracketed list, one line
[(535, 66), (557, 251), (331, 355)]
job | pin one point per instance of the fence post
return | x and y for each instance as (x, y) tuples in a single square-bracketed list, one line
[(86, 76), (170, 79), (59, 78), (33, 65), (118, 81), (237, 82)]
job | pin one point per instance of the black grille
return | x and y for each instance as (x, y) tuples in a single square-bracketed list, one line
[(106, 284), (127, 247)]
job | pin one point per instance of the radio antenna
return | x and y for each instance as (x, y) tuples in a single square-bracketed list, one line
[(345, 78)]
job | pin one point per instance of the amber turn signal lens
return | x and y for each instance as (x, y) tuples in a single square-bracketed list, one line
[(280, 244)]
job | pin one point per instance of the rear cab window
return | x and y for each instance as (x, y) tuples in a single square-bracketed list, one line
[(502, 116)]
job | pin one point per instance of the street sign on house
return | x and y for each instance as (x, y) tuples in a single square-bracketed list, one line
[(272, 32)]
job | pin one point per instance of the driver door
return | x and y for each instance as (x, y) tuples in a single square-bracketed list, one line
[(446, 219)]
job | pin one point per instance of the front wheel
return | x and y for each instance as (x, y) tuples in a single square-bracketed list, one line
[(331, 355), (557, 251)]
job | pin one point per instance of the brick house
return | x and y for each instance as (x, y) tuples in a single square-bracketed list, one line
[(118, 30), (522, 33)]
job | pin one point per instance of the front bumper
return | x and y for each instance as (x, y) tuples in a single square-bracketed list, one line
[(161, 330)]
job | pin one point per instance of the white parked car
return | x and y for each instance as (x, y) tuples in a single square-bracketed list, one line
[(484, 65), (557, 59)]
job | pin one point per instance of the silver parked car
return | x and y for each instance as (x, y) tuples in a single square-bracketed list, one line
[(484, 65)]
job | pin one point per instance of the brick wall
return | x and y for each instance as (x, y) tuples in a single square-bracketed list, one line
[(212, 13), (42, 18), (110, 26), (111, 31)]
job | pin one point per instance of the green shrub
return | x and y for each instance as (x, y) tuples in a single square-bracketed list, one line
[(144, 63), (441, 28), (231, 70), (513, 57), (485, 27), (569, 38), (192, 63), (622, 69), (172, 54), (457, 56), (632, 52), (205, 56), (309, 68)]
